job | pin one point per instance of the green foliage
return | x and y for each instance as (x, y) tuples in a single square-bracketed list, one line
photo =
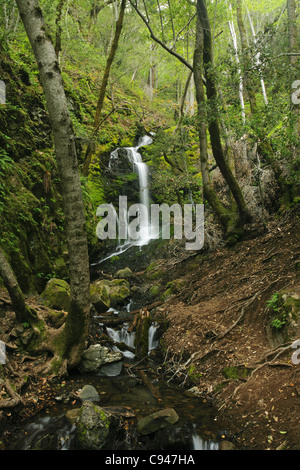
[(284, 307)]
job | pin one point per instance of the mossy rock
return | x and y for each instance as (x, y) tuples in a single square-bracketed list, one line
[(100, 297), (154, 291), (125, 273), (119, 291), (109, 293), (283, 324), (57, 294), (235, 373), (93, 427)]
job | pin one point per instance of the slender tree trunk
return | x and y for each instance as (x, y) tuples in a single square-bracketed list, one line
[(110, 59), (293, 42), (77, 322), (241, 84), (246, 58), (208, 191), (103, 87), (214, 128), (293, 33), (258, 62)]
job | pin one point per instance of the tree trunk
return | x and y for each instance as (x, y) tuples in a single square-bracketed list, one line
[(22, 311), (246, 58), (214, 128), (103, 87), (77, 322), (208, 191), (58, 28), (293, 33), (293, 42)]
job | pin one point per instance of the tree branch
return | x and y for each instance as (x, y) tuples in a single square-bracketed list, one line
[(164, 46)]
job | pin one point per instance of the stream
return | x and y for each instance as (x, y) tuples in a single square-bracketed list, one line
[(197, 427)]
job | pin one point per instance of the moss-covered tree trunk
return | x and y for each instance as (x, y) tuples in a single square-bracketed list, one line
[(142, 323), (213, 126), (75, 331), (208, 190)]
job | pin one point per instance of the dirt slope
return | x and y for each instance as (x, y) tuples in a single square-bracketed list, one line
[(221, 316)]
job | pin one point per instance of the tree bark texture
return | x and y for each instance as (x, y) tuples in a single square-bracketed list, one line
[(78, 317), (214, 128)]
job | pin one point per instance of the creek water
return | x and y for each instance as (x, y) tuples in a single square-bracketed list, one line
[(196, 429)]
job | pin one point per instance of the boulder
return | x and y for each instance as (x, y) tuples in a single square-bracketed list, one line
[(226, 445), (56, 294), (125, 273), (100, 297), (93, 427), (97, 356), (111, 293), (88, 393), (72, 416), (156, 421)]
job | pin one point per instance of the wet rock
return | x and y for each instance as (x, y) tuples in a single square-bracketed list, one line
[(72, 416), (111, 370), (97, 356), (173, 438), (156, 421), (89, 393)]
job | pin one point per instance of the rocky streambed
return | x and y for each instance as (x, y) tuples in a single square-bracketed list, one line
[(118, 399)]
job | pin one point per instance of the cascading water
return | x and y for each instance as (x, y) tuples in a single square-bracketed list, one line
[(141, 168), (123, 336), (153, 341), (199, 444)]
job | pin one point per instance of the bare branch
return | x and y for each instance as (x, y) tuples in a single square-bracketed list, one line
[(164, 46)]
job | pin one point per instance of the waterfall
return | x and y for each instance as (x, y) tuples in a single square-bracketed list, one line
[(153, 342), (199, 444), (123, 336), (141, 168), (143, 175)]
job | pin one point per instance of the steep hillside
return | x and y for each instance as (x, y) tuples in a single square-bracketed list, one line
[(233, 321)]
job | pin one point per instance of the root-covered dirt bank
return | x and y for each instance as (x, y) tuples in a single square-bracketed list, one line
[(242, 358)]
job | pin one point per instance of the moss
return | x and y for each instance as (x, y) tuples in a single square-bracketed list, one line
[(57, 294), (154, 291), (284, 308), (166, 294), (235, 373)]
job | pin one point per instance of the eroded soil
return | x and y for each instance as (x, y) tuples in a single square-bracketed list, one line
[(221, 317)]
